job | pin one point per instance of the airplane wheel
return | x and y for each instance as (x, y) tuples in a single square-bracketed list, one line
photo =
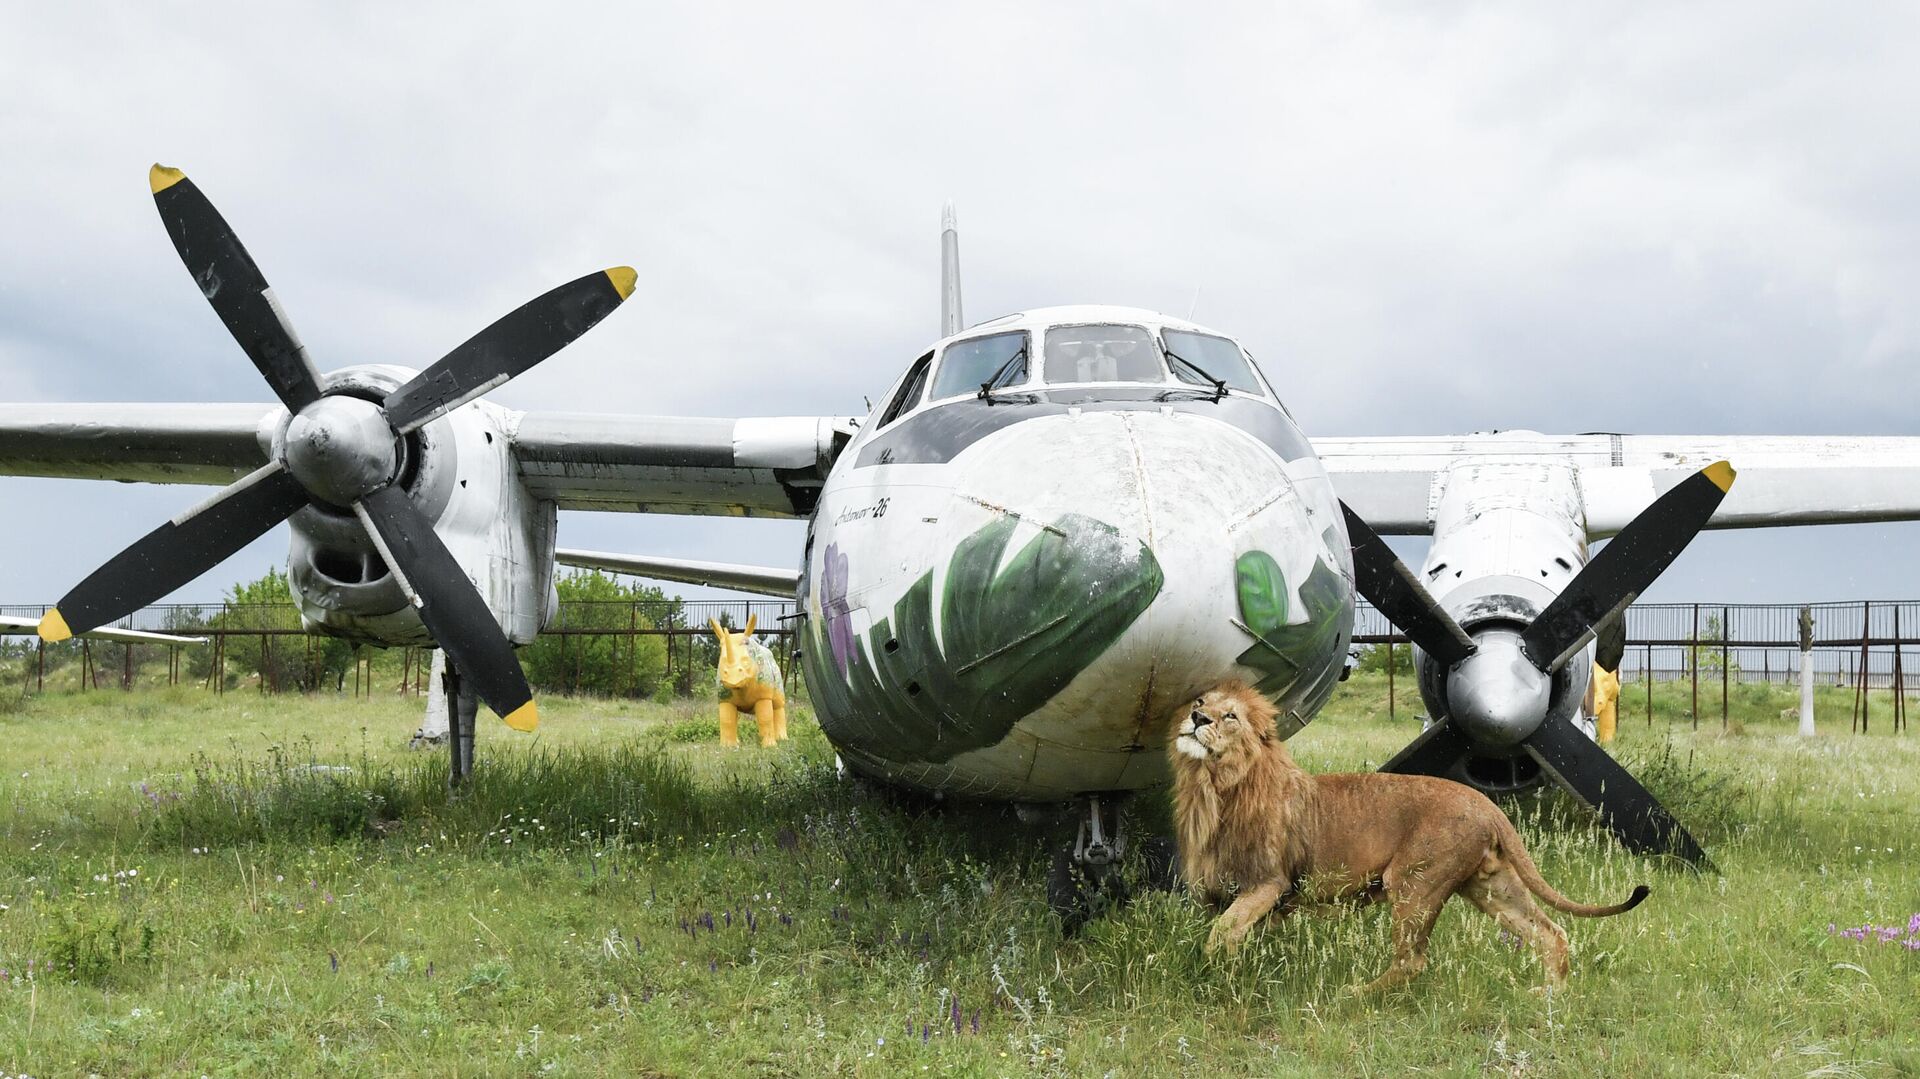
[(1080, 893)]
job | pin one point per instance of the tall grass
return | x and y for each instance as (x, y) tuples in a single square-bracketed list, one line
[(633, 791), (613, 898)]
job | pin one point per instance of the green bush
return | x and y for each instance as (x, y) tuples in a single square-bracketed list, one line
[(612, 665), (94, 943), (1373, 659)]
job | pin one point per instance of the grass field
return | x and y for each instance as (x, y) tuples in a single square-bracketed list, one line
[(246, 885)]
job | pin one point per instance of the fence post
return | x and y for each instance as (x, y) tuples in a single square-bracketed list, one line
[(40, 663), (633, 649), (1899, 678), (1861, 696), (1727, 663), (1694, 663), (1806, 672), (1649, 677), (1390, 715)]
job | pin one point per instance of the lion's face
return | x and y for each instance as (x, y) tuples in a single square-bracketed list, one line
[(1223, 723)]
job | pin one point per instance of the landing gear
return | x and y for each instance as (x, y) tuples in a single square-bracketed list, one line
[(462, 707), (1088, 878)]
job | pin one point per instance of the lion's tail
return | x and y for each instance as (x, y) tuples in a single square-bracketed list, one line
[(1522, 863)]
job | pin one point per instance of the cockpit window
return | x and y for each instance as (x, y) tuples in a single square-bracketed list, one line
[(909, 393), (1215, 356), (1102, 354), (966, 365)]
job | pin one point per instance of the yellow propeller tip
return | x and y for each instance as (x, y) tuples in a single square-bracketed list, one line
[(53, 627), (623, 278), (1721, 474), (162, 177), (524, 718)]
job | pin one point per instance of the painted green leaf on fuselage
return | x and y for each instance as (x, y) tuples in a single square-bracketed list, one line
[(1263, 592), (1299, 663), (1013, 638)]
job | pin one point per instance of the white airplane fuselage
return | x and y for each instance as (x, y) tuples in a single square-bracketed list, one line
[(1007, 597)]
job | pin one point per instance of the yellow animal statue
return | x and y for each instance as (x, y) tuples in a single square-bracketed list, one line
[(750, 680), (1605, 690)]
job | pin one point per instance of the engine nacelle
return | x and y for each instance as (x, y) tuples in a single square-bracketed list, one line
[(1507, 539), (1494, 611), (459, 470)]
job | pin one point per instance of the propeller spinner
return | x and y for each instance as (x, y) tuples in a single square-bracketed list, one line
[(1499, 679), (339, 451)]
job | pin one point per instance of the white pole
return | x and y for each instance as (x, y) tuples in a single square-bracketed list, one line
[(433, 729)]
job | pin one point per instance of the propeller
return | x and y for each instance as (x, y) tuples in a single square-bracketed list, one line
[(1499, 683), (339, 452)]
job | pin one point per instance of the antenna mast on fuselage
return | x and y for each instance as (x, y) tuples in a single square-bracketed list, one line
[(950, 318)]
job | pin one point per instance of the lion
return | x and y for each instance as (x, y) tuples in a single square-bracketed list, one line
[(1253, 827)]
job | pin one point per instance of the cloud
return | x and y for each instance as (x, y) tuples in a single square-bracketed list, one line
[(1421, 218)]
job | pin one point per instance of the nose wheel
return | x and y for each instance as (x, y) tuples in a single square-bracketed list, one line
[(1089, 877)]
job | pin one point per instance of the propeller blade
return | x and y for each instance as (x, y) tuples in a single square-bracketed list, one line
[(449, 605), (1625, 567), (531, 333), (1640, 822), (1393, 589), (1435, 753), (235, 287), (1612, 643), (177, 552)]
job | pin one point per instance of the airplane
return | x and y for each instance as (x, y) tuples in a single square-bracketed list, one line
[(1057, 526)]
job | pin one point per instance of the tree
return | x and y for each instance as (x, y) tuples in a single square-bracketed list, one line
[(612, 663), (286, 661), (1374, 659)]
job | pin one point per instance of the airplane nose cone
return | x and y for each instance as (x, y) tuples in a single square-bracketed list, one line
[(1166, 510), (1497, 695), (340, 448)]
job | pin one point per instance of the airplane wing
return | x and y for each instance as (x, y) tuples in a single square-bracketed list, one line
[(774, 466), (178, 443), (765, 580), (759, 467), (1394, 483), (756, 467), (12, 625)]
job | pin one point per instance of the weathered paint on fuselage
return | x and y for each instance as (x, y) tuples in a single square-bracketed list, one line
[(1006, 600)]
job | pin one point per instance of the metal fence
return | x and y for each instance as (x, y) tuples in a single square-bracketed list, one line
[(276, 641), (1864, 645)]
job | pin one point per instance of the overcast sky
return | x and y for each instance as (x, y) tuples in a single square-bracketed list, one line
[(1423, 218)]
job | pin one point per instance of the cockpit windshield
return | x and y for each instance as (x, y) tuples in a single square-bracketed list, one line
[(1102, 353), (967, 365), (1215, 356)]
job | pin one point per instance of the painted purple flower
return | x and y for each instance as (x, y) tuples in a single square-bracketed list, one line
[(833, 606)]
